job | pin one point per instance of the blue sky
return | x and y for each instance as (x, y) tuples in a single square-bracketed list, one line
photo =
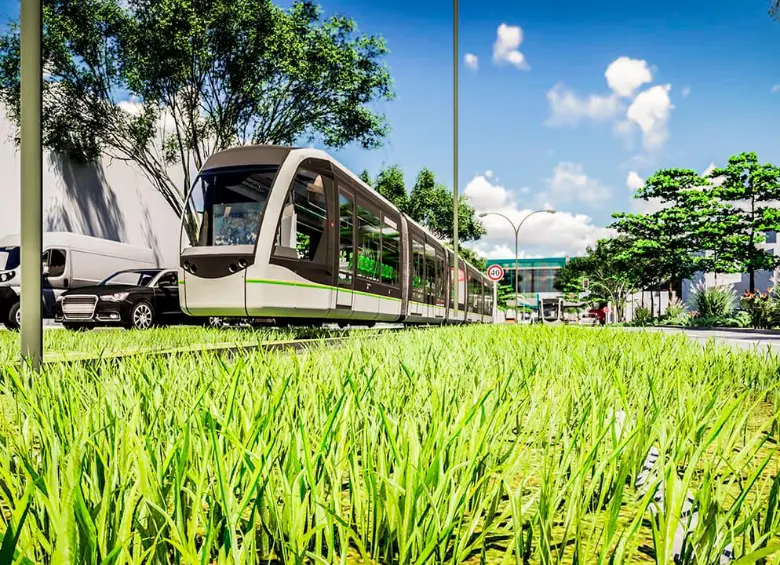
[(718, 58), (553, 132)]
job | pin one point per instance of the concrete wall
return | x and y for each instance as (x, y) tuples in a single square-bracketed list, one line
[(112, 201)]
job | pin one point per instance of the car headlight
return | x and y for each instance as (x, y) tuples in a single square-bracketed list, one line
[(116, 297), (7, 276)]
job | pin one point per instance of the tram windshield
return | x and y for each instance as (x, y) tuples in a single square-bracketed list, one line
[(228, 204), (9, 258)]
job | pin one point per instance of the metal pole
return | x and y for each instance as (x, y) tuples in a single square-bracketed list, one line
[(455, 64), (31, 182), (517, 273)]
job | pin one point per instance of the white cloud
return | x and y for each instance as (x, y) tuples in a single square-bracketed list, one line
[(651, 110), (567, 108), (485, 195), (634, 182), (569, 183), (506, 46), (132, 106), (488, 173), (776, 88), (471, 61), (686, 91), (624, 75), (541, 235), (708, 170)]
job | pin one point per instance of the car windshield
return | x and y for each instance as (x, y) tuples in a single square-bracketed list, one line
[(9, 258), (131, 278)]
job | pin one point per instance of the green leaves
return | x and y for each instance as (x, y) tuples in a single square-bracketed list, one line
[(712, 223), (200, 76), (430, 203)]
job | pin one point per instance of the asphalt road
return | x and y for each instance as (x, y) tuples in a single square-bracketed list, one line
[(760, 341)]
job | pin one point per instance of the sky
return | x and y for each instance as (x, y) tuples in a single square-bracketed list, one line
[(567, 105), (570, 105)]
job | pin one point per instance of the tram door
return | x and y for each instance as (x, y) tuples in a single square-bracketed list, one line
[(346, 272)]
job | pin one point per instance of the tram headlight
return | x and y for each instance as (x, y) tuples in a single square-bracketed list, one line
[(7, 276), (116, 297)]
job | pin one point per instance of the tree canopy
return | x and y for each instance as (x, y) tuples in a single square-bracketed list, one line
[(429, 203), (168, 82), (714, 223)]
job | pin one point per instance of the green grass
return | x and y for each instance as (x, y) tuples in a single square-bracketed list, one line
[(456, 445), (112, 341)]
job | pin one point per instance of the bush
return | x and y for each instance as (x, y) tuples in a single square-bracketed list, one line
[(642, 316), (675, 309), (715, 301), (762, 309)]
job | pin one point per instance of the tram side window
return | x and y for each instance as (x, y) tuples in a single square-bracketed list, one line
[(470, 286), (346, 238), (441, 280), (302, 233), (430, 279), (369, 244), (418, 271), (391, 251), (450, 281), (474, 292)]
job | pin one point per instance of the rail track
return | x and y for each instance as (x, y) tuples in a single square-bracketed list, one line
[(227, 348)]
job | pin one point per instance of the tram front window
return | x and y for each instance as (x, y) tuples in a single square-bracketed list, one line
[(228, 204)]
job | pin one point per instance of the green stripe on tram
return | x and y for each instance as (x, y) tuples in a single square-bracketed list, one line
[(321, 287)]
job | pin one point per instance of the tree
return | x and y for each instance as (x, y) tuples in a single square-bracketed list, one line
[(476, 261), (611, 274), (751, 187), (366, 178), (693, 230), (390, 184), (568, 279), (430, 204), (204, 76)]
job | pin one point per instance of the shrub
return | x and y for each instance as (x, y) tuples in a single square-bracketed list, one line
[(715, 301), (642, 316), (675, 309), (760, 307)]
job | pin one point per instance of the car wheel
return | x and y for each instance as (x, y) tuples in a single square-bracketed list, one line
[(13, 319), (142, 316), (215, 322)]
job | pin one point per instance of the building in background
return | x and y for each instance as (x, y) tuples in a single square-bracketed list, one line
[(535, 277), (110, 200)]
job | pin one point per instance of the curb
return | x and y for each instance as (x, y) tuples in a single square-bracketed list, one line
[(717, 329)]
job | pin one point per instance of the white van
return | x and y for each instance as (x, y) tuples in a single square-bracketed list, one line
[(69, 261)]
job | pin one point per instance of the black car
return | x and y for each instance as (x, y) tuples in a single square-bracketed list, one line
[(136, 299)]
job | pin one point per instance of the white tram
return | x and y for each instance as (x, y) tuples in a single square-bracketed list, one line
[(290, 234)]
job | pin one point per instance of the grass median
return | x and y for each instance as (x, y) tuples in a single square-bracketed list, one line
[(61, 344), (460, 445)]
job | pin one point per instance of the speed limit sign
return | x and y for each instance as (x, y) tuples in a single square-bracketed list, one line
[(495, 272)]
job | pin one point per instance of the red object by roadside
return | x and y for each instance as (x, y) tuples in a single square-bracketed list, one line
[(600, 314)]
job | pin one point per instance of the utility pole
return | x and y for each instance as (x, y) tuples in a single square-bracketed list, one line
[(455, 64), (31, 183)]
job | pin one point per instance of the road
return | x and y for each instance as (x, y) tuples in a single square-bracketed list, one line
[(762, 341)]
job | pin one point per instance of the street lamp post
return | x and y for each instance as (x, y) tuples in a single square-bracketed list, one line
[(31, 182), (517, 257)]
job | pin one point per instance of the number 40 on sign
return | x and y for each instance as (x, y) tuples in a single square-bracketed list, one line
[(495, 272)]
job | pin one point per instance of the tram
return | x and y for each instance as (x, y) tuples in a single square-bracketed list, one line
[(290, 235)]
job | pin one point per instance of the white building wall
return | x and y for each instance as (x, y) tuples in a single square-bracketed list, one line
[(112, 201)]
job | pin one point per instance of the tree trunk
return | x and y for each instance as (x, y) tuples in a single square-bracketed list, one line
[(652, 303), (752, 274)]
